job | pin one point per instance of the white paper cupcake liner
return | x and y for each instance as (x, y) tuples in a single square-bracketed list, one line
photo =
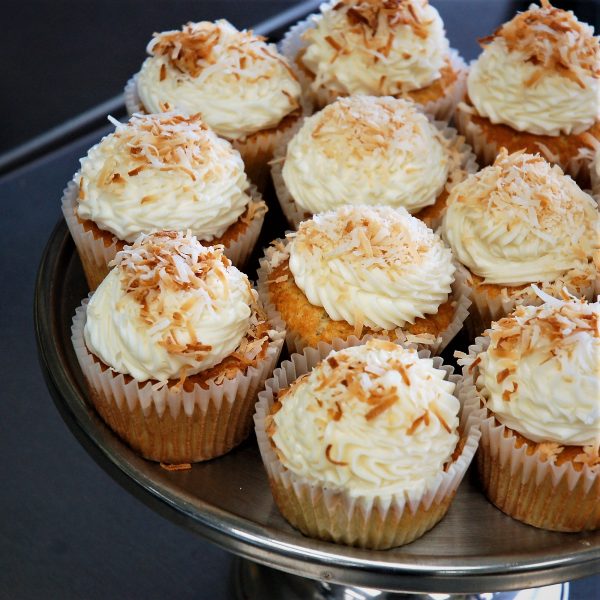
[(332, 513), (95, 254), (256, 150), (170, 425), (486, 308), (441, 109), (578, 166), (461, 293), (526, 486), (463, 165)]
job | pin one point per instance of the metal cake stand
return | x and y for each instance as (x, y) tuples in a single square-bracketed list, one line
[(475, 548)]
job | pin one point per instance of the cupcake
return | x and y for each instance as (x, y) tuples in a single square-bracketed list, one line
[(243, 88), (369, 150), (367, 448), (536, 87), (518, 222), (159, 172), (380, 48), (363, 271), (537, 372), (174, 346)]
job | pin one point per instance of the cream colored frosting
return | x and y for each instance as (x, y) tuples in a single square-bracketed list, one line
[(372, 47), (520, 221), (170, 308), (374, 266), (366, 150), (236, 81), (376, 420), (162, 172), (540, 74), (541, 372)]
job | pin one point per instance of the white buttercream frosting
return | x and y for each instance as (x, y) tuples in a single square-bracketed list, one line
[(234, 79), (539, 73), (162, 172), (541, 372), (374, 419), (374, 266), (366, 150), (374, 47), (520, 221), (170, 308)]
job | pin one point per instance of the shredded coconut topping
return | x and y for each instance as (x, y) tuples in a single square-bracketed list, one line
[(377, 419), (553, 39), (368, 125), (521, 220), (552, 329), (168, 141), (367, 16), (377, 237), (170, 261), (200, 45), (540, 375)]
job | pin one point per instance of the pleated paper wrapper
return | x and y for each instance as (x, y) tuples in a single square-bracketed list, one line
[(577, 166), (95, 254), (171, 425), (527, 487), (333, 514), (461, 293)]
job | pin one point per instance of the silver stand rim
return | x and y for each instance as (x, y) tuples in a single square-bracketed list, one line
[(252, 581)]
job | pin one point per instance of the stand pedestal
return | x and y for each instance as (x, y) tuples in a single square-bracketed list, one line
[(252, 581)]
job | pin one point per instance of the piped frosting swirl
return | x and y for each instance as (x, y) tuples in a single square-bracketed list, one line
[(376, 47), (382, 151), (239, 83), (521, 221), (541, 372), (539, 73), (162, 171), (375, 419), (169, 308), (374, 266)]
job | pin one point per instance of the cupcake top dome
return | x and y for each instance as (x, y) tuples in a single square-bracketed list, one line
[(539, 73), (238, 82), (382, 150), (541, 373), (169, 308), (375, 419), (162, 171), (521, 220), (373, 266), (381, 47)]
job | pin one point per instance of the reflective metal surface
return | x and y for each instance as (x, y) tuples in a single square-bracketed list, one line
[(475, 548), (255, 582)]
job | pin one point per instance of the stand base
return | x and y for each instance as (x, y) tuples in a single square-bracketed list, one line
[(252, 581)]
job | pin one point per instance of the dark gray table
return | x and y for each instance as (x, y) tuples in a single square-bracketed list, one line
[(67, 529)]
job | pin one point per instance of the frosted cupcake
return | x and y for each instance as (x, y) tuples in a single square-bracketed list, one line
[(366, 449), (360, 271), (536, 86), (158, 172), (518, 222), (537, 372), (393, 48), (174, 347), (369, 150), (243, 88)]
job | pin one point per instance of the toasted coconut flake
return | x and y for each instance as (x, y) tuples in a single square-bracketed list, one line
[(177, 467), (554, 40)]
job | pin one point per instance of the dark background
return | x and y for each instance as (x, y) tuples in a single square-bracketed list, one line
[(67, 530)]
